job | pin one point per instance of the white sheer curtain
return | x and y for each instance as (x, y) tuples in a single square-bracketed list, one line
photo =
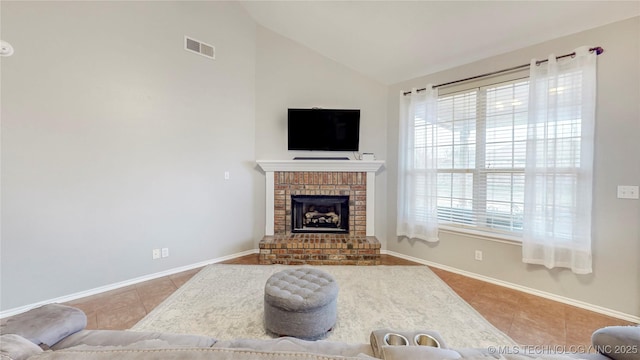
[(559, 163), (417, 166)]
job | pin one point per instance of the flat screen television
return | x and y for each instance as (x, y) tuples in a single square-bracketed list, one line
[(323, 129)]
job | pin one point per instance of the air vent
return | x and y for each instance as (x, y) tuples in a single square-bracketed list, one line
[(199, 47)]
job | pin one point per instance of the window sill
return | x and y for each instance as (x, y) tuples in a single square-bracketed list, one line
[(482, 235)]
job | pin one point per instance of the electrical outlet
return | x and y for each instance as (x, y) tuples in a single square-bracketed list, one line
[(155, 254), (165, 252), (226, 175), (627, 192), (479, 255)]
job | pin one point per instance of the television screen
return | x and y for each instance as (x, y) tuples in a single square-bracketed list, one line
[(323, 129)]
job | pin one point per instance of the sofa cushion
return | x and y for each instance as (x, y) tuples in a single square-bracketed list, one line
[(187, 353), (525, 353), (618, 342), (16, 347), (324, 347), (132, 339), (47, 324), (417, 352)]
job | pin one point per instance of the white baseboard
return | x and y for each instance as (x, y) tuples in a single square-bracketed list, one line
[(121, 284), (544, 294)]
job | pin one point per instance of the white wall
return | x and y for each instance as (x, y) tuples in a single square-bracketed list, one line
[(115, 141), (615, 282), (289, 75)]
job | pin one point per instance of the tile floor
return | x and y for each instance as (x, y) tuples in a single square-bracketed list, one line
[(527, 319)]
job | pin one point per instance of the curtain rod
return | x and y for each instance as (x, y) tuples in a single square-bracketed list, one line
[(598, 50)]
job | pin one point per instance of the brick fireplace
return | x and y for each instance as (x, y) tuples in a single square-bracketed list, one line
[(327, 180)]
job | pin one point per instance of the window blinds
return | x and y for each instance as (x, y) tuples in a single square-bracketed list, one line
[(479, 141)]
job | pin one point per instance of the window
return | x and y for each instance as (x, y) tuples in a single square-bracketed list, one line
[(480, 142), (512, 157)]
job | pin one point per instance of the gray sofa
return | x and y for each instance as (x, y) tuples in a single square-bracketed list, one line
[(58, 332)]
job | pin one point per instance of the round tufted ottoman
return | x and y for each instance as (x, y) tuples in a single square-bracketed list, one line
[(301, 303)]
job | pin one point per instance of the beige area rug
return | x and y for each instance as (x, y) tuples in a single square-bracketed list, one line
[(226, 302)]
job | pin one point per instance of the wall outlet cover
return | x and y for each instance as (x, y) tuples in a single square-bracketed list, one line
[(628, 192)]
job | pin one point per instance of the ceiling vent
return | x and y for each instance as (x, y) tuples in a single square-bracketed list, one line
[(199, 47)]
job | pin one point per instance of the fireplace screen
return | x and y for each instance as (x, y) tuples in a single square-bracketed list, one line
[(319, 213)]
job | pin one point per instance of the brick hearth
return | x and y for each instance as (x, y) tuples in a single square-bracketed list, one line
[(285, 247), (320, 249)]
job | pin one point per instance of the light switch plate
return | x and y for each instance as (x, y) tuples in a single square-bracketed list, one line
[(628, 192)]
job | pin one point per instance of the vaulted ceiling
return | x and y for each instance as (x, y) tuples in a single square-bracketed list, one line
[(392, 41)]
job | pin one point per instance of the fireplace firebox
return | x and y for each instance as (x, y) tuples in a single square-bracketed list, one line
[(319, 214)]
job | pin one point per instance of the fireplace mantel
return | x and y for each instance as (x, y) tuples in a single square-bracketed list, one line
[(320, 165), (272, 166)]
